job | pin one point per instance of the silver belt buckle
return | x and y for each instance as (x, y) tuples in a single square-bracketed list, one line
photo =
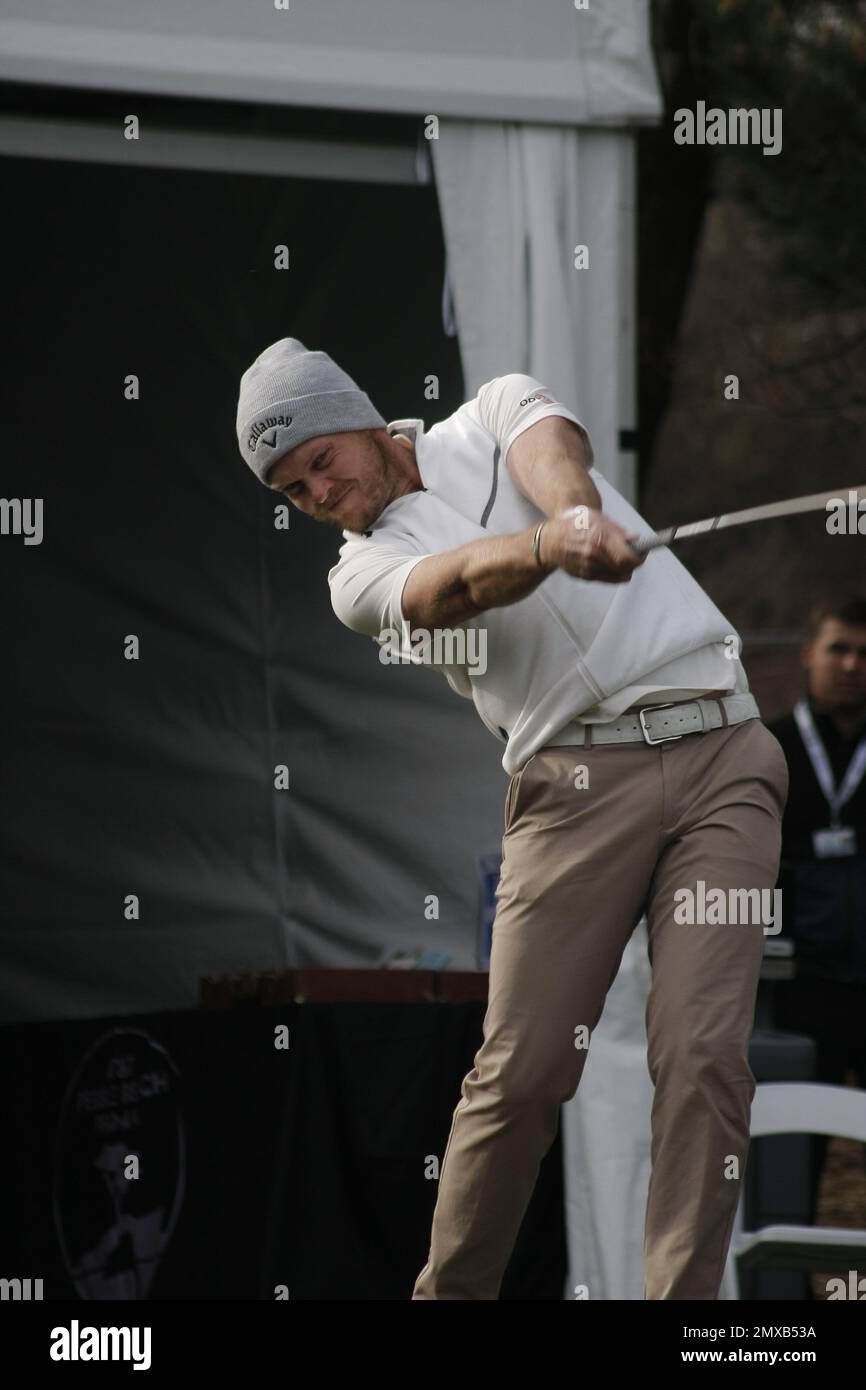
[(665, 738)]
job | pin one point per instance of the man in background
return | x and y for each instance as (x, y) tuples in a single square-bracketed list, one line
[(824, 852)]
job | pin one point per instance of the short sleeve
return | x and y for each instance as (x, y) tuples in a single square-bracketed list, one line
[(366, 594), (367, 587), (508, 405)]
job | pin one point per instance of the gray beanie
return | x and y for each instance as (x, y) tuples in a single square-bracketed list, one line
[(290, 394)]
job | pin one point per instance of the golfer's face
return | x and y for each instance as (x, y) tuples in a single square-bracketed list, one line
[(836, 662), (337, 478)]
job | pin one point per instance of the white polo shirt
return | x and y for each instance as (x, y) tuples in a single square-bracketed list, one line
[(573, 648)]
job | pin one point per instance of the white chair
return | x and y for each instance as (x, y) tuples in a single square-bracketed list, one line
[(799, 1107)]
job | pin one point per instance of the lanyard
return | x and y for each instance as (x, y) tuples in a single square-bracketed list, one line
[(821, 763)]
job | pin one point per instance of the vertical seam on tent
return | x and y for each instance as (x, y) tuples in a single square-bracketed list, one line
[(519, 134), (282, 898)]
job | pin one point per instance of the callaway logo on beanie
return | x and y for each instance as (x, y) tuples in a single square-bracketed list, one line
[(290, 394)]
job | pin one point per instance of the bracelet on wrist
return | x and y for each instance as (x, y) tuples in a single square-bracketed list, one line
[(535, 543)]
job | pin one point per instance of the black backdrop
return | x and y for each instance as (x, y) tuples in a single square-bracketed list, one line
[(303, 1166), (155, 777)]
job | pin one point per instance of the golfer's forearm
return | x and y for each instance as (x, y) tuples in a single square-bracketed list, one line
[(563, 483), (460, 584), (502, 570), (550, 465), (562, 493)]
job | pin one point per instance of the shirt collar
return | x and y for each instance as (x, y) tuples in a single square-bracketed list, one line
[(413, 427)]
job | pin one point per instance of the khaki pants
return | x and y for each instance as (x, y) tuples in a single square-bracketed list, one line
[(580, 867)]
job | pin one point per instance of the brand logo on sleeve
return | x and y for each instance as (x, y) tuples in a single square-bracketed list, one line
[(538, 396)]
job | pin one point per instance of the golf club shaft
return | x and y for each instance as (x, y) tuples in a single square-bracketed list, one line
[(815, 502)]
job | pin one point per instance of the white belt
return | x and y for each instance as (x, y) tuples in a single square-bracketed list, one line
[(660, 723)]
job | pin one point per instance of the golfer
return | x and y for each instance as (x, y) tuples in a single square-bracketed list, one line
[(642, 780)]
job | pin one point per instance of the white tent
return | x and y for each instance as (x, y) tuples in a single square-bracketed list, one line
[(533, 156)]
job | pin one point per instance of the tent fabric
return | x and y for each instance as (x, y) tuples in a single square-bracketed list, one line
[(515, 200), (158, 779), (607, 1142), (155, 777), (589, 66)]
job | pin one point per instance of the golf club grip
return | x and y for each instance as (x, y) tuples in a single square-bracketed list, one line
[(643, 544)]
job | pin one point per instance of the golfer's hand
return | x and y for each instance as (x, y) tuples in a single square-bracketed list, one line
[(598, 549)]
